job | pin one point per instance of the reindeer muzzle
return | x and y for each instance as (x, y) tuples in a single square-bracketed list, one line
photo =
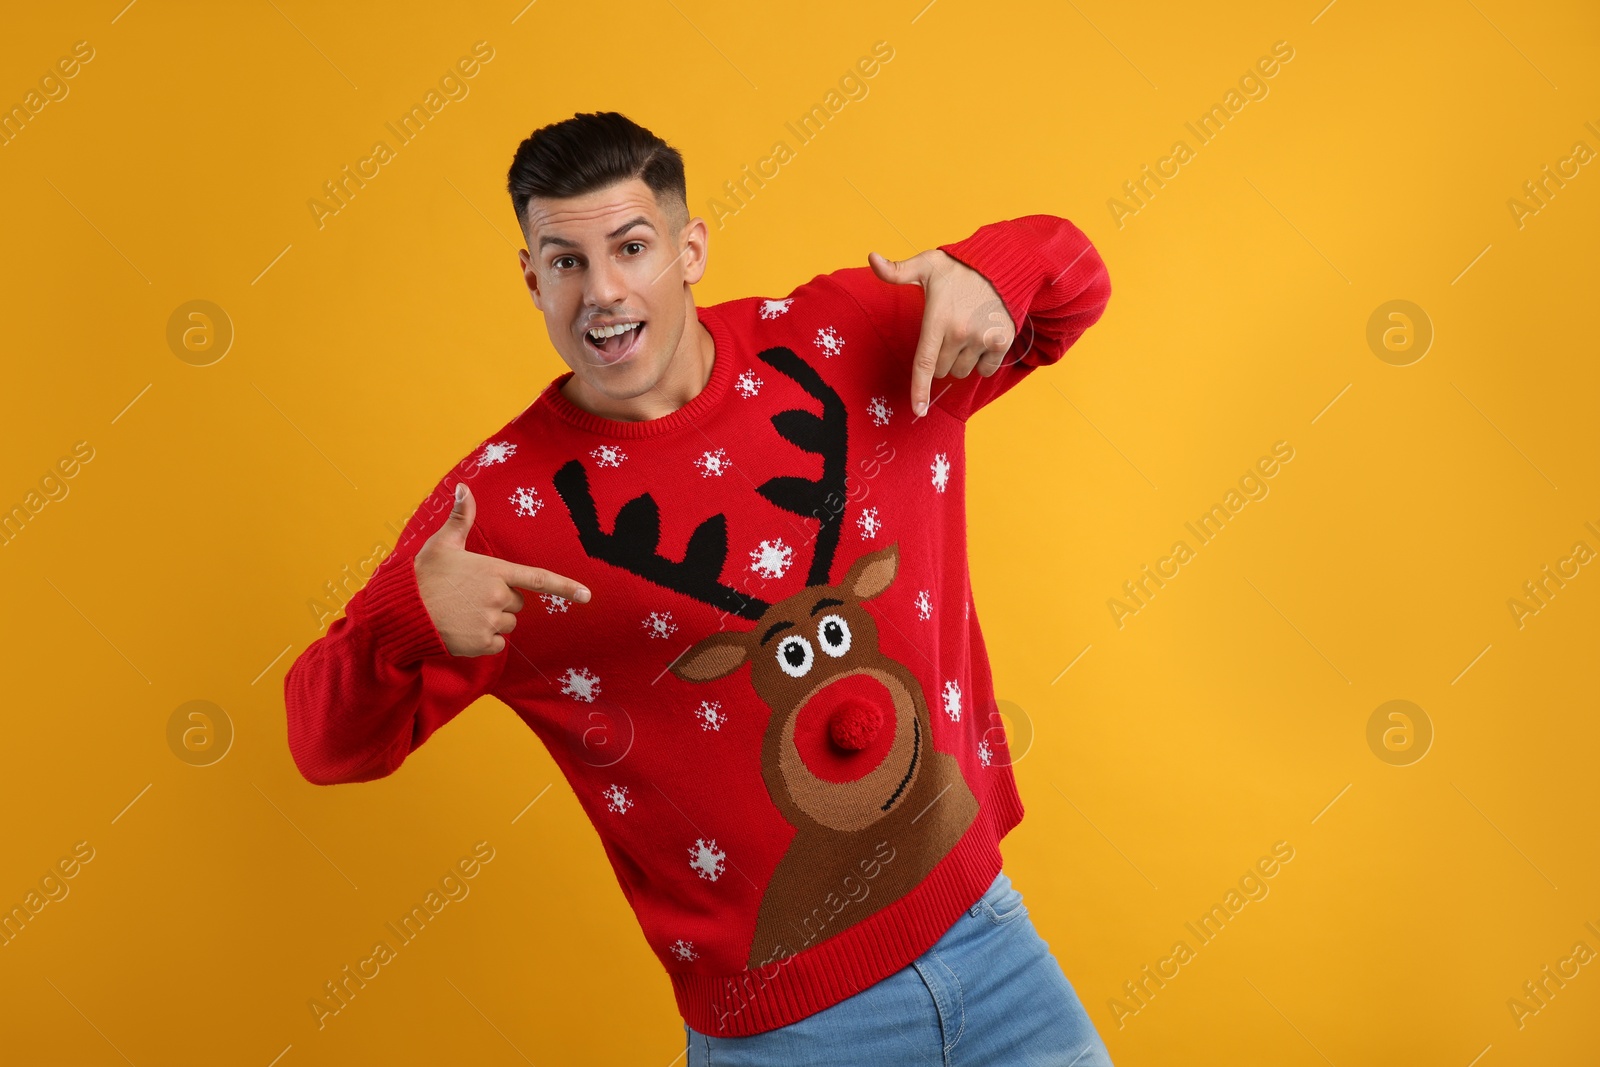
[(847, 728)]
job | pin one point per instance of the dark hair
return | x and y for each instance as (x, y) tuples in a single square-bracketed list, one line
[(591, 151)]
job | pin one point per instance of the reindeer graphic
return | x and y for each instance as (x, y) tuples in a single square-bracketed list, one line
[(847, 754)]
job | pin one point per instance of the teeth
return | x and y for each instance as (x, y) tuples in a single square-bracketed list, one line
[(602, 332)]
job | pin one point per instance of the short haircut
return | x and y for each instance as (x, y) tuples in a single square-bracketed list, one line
[(591, 151)]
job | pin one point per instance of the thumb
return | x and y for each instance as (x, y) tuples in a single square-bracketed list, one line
[(891, 271), (459, 521)]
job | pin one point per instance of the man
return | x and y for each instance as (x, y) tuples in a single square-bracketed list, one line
[(810, 846)]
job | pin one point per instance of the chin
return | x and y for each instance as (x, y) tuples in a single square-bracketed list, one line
[(623, 381)]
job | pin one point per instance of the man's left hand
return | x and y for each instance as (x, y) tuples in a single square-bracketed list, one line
[(964, 322)]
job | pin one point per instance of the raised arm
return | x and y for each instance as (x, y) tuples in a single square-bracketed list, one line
[(1048, 276)]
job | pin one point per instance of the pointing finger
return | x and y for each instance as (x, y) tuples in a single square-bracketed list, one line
[(539, 580), (926, 360)]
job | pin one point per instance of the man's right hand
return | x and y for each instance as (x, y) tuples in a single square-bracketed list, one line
[(471, 597)]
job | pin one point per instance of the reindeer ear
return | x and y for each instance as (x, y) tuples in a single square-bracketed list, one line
[(871, 574), (717, 655)]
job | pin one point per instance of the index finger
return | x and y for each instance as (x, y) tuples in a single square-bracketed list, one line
[(539, 580), (925, 361)]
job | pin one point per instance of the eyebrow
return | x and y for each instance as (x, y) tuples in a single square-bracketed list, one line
[(774, 628), (637, 220), (823, 603)]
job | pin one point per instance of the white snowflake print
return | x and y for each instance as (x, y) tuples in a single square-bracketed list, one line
[(711, 715), (580, 683), (608, 456), (771, 559), (952, 700), (878, 407), (617, 798), (706, 858), (941, 471), (496, 452), (771, 309), (553, 604), (660, 624), (526, 501), (868, 521), (712, 461), (747, 383), (984, 754), (684, 950), (829, 341), (924, 605)]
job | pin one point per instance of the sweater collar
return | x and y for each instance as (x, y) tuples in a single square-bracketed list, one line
[(694, 411)]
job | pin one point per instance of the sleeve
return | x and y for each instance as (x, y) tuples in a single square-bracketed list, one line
[(1049, 277), (373, 688)]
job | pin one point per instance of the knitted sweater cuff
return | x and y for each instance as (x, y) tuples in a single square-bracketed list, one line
[(1013, 267), (402, 630)]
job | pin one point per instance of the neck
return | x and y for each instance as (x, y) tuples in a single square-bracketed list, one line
[(685, 375)]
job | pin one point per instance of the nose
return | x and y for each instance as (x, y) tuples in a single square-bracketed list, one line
[(605, 286), (847, 728), (854, 724)]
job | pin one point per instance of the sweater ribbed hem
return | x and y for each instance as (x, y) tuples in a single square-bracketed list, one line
[(754, 1001), (393, 611)]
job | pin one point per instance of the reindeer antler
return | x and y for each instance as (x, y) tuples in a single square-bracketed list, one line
[(635, 538), (634, 541), (825, 436)]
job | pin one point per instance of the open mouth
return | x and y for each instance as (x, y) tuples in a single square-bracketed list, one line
[(614, 344)]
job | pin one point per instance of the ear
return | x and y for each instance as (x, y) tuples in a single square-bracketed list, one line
[(872, 573), (717, 655), (530, 277), (694, 235)]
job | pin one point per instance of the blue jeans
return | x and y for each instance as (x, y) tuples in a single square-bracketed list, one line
[(988, 992)]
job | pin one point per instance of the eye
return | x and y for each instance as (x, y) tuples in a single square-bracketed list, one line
[(833, 634), (795, 655), (631, 243), (556, 263)]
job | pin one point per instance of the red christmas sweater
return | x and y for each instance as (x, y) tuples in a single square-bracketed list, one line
[(776, 709)]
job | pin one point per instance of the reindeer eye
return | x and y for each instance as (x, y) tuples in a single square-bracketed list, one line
[(794, 656), (833, 634)]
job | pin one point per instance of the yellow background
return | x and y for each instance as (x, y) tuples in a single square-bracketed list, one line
[(1227, 715)]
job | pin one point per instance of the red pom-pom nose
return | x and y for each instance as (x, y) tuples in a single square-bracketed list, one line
[(854, 724)]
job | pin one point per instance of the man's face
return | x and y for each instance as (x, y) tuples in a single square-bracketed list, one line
[(609, 257)]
